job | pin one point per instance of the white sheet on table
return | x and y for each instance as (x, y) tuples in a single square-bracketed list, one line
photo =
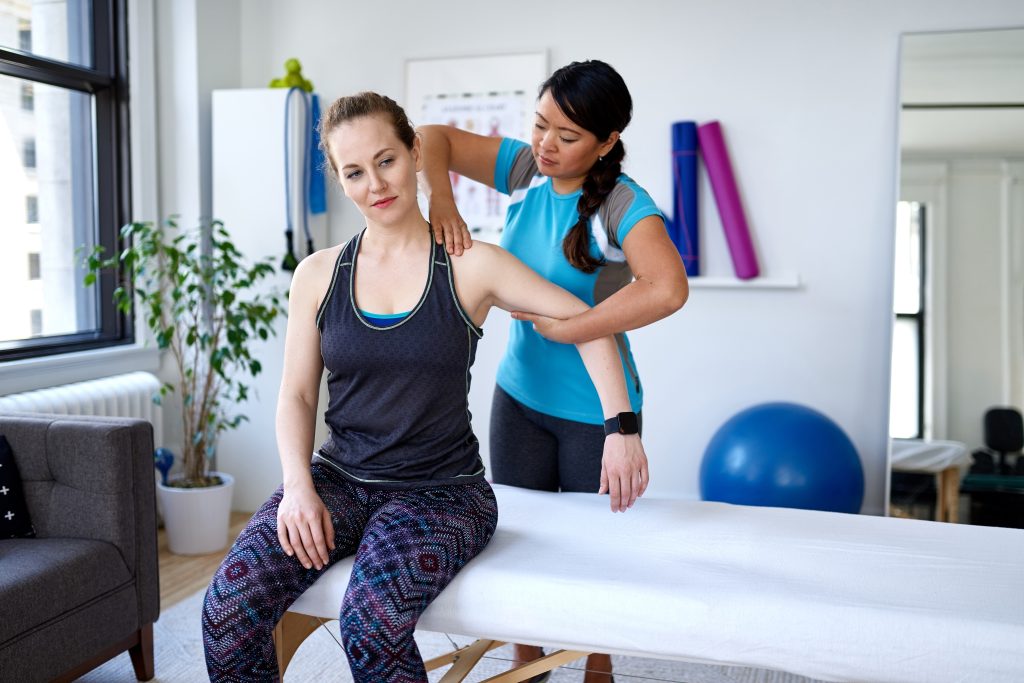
[(917, 455), (832, 596)]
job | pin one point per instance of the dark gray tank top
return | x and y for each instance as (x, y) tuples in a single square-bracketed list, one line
[(398, 408)]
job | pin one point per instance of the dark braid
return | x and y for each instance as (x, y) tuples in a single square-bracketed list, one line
[(600, 181), (593, 95)]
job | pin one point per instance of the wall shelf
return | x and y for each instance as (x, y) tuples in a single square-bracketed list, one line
[(778, 281)]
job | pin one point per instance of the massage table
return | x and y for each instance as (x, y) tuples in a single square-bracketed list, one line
[(832, 596), (947, 460)]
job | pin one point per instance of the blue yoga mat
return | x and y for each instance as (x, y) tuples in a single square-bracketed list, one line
[(684, 195), (317, 182)]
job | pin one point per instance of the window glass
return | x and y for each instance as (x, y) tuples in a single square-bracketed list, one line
[(908, 258), (904, 405), (48, 202), (54, 29)]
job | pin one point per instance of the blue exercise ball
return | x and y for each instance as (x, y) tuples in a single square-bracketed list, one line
[(783, 455)]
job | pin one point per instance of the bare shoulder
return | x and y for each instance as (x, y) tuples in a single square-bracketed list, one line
[(478, 274), (312, 276), (483, 255)]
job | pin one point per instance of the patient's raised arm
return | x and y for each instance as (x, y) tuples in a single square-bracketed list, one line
[(511, 285)]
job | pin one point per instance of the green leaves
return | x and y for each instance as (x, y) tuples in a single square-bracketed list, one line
[(206, 306)]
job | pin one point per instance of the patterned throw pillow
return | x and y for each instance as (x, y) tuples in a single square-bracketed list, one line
[(14, 521)]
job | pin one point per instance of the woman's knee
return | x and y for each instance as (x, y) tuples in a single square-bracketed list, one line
[(230, 592), (368, 618)]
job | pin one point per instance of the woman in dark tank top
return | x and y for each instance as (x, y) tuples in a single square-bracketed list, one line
[(394, 319)]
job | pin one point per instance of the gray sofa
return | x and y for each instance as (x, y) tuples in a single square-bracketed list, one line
[(86, 588)]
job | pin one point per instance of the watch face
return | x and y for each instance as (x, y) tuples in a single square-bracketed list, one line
[(628, 423)]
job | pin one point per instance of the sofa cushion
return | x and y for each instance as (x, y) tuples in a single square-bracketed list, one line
[(14, 518), (46, 578)]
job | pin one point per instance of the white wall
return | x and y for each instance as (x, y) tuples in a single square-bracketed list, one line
[(177, 99), (247, 126), (975, 220), (807, 93), (979, 289), (197, 51)]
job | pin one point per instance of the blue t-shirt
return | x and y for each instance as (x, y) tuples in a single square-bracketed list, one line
[(547, 376)]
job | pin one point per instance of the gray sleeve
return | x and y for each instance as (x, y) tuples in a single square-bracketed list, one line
[(613, 208), (524, 167)]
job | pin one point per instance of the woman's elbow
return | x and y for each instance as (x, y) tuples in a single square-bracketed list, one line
[(434, 130), (675, 297), (290, 399)]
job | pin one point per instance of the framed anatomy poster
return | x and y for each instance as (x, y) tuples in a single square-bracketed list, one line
[(491, 95)]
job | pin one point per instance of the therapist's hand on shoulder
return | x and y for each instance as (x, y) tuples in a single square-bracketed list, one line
[(304, 526), (448, 227), (624, 473)]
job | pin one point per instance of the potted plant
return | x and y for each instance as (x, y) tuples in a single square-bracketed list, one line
[(203, 304)]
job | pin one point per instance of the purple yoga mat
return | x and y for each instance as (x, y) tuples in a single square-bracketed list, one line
[(727, 196)]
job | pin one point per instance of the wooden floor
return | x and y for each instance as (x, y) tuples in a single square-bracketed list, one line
[(183, 575)]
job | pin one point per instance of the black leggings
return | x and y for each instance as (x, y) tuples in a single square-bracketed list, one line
[(533, 450)]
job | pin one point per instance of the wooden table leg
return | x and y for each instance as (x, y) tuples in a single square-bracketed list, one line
[(289, 633), (948, 504)]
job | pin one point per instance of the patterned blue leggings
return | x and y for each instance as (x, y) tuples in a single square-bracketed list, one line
[(408, 544)]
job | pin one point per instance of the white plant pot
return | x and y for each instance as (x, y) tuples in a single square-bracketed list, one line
[(197, 520)]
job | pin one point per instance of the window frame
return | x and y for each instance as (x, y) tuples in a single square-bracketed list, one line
[(107, 83), (920, 318)]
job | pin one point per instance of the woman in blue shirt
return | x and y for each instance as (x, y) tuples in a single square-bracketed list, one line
[(580, 222)]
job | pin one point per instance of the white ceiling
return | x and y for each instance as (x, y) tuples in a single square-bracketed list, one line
[(965, 67)]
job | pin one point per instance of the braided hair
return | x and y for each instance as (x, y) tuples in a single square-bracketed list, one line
[(592, 95)]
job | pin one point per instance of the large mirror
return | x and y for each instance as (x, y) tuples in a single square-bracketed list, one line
[(958, 342)]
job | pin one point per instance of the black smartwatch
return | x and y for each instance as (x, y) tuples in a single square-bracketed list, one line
[(623, 423)]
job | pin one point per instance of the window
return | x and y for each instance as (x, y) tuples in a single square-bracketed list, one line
[(63, 30), (906, 411), (28, 154), (31, 209), (64, 95)]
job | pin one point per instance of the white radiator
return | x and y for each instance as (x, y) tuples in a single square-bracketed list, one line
[(128, 395)]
